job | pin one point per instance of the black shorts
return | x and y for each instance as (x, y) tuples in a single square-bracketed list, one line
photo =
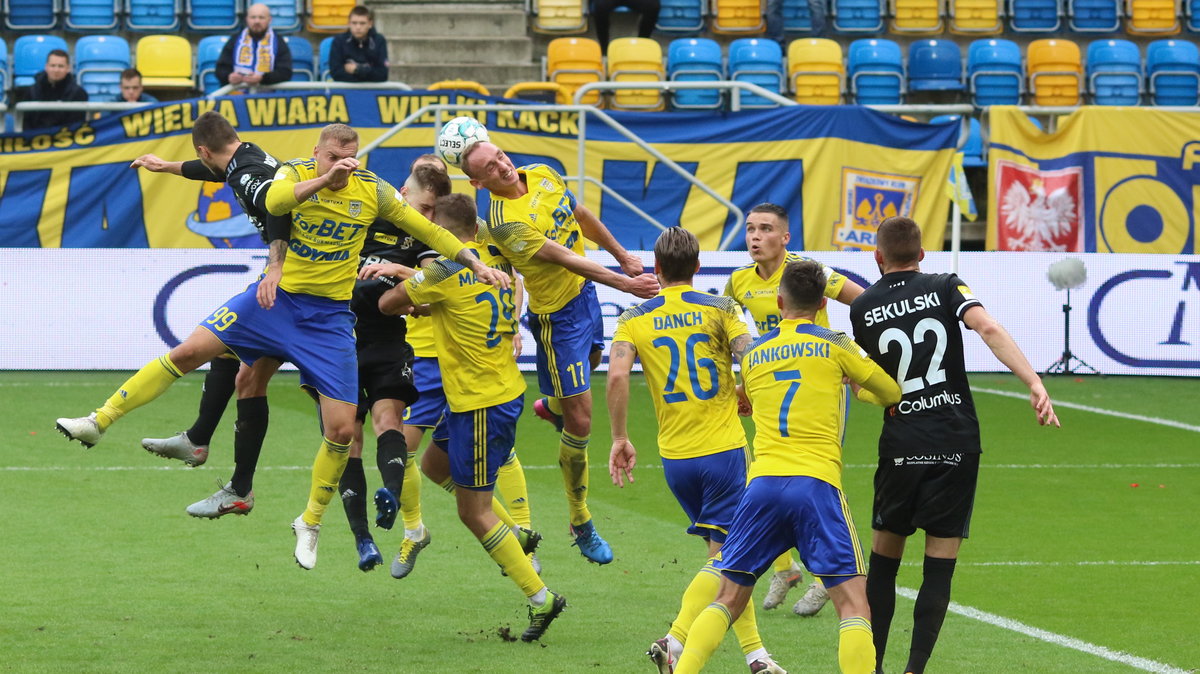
[(935, 493), (384, 373)]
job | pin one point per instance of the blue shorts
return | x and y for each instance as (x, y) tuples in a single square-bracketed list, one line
[(708, 488), (316, 334), (427, 378), (779, 513), (479, 442), (566, 340)]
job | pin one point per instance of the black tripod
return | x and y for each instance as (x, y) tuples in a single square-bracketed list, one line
[(1069, 363)]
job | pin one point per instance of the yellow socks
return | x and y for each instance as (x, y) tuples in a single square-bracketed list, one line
[(504, 548), (145, 385), (856, 648), (555, 405), (746, 629), (410, 495), (497, 506), (706, 634), (698, 595), (783, 562), (511, 481), (573, 460), (327, 471)]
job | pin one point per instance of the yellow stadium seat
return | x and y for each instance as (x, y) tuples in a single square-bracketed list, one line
[(1152, 17), (574, 62), (916, 17), (737, 16), (328, 16), (165, 62), (975, 17), (559, 16), (636, 59), (1055, 71), (816, 70), (461, 85), (546, 92)]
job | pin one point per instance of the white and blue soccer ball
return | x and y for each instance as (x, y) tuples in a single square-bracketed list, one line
[(456, 136)]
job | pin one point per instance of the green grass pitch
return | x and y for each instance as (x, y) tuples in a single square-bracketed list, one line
[(103, 571)]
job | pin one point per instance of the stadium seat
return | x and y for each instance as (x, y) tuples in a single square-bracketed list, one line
[(876, 72), (3, 71), (935, 65), (152, 15), (974, 154), (542, 92), (681, 17), (559, 16), (856, 16), (760, 62), (1152, 17), (165, 62), (208, 50), (27, 15), (1055, 70), (328, 16), (1094, 16), (90, 15), (303, 68), (1173, 69), (212, 15), (636, 59), (695, 60), (815, 71), (460, 85), (574, 62), (323, 50), (1191, 14), (99, 61), (1114, 72), (737, 17), (995, 75), (285, 15), (975, 17), (916, 17), (29, 56), (797, 16), (1035, 16)]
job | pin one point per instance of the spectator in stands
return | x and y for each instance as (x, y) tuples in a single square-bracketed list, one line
[(359, 54), (131, 88), (774, 19), (256, 54), (54, 83), (602, 10)]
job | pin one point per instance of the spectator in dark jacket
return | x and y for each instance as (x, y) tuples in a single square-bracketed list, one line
[(131, 88), (359, 54), (55, 83), (256, 54)]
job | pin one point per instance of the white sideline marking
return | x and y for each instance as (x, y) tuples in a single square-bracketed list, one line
[(652, 466), (1097, 410), (1110, 562), (1053, 638)]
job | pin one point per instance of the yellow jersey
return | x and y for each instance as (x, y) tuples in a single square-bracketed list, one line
[(473, 325), (793, 375), (520, 227), (330, 227), (420, 336), (682, 337), (757, 294)]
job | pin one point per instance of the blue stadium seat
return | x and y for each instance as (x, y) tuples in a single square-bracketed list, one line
[(695, 60), (1191, 15), (1094, 16), (1035, 16), (285, 15), (934, 65), (876, 72), (3, 71), (974, 153), (681, 17), (154, 16), (995, 75), (29, 56), (303, 67), (760, 62), (31, 14), (212, 15), (208, 50), (88, 15), (856, 16), (797, 16), (99, 60), (1114, 72), (1173, 68), (323, 59)]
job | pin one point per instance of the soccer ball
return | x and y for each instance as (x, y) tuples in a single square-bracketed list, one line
[(456, 136)]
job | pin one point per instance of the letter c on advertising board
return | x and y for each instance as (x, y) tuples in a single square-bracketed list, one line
[(169, 288)]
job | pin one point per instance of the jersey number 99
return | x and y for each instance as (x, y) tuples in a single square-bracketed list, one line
[(222, 318)]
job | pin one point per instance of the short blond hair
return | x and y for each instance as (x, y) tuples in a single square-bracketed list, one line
[(339, 134)]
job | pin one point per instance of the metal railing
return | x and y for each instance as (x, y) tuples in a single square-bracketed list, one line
[(310, 86), (23, 107)]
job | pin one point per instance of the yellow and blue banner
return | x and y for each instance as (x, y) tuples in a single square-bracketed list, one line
[(837, 170)]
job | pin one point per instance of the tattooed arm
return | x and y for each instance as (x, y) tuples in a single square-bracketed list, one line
[(270, 282)]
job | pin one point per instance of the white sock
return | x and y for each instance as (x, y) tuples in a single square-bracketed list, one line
[(675, 646), (415, 534), (538, 598), (757, 654)]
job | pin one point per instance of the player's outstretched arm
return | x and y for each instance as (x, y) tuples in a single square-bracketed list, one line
[(644, 286), (623, 456), (155, 164), (484, 273), (849, 292), (876, 388), (285, 194), (395, 301), (396, 270), (595, 230), (1006, 351)]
